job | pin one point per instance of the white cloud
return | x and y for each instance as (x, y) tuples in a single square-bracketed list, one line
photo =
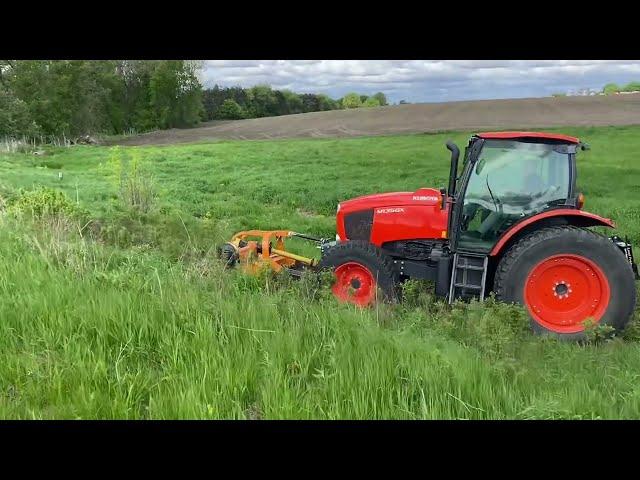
[(423, 80)]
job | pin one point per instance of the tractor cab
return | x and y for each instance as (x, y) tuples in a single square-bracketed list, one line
[(507, 177)]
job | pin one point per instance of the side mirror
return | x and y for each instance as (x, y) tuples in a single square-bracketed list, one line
[(455, 154)]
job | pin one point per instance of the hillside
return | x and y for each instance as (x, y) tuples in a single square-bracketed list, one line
[(415, 118), (125, 313)]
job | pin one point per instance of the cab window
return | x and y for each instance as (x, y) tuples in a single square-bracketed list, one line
[(509, 181)]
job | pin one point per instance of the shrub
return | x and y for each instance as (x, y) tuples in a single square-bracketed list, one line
[(371, 102), (44, 202), (230, 110), (382, 98), (611, 88), (351, 100), (631, 87)]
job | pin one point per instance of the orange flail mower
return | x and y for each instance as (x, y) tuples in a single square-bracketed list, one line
[(254, 250)]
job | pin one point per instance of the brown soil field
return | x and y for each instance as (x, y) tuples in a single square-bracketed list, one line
[(516, 114)]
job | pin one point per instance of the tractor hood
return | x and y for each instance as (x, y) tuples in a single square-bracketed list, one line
[(422, 196)]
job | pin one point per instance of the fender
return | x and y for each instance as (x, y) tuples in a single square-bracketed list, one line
[(578, 217)]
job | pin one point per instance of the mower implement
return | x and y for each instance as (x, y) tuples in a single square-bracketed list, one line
[(254, 250), (510, 221)]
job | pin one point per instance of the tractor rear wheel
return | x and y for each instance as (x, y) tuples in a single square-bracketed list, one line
[(564, 276), (363, 273)]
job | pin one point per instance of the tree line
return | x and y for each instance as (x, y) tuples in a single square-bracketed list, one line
[(613, 88), (52, 98), (56, 98), (233, 103)]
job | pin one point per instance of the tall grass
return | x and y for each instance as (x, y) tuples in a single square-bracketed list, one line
[(91, 331)]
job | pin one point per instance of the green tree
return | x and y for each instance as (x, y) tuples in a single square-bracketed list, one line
[(230, 110), (351, 100), (381, 97), (262, 101), (44, 86), (70, 97), (326, 103), (293, 101), (610, 88), (15, 119), (135, 77), (176, 94), (95, 103), (371, 102), (310, 102), (631, 87)]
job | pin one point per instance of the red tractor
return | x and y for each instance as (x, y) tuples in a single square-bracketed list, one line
[(511, 222)]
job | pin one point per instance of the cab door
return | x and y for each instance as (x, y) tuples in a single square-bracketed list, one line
[(506, 182)]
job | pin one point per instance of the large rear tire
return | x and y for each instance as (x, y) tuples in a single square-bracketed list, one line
[(363, 273), (564, 276)]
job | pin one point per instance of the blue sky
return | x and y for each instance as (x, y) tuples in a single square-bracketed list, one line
[(424, 80)]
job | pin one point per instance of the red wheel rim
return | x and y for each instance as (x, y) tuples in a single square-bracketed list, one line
[(562, 291), (354, 284)]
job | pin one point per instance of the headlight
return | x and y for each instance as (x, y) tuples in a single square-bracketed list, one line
[(338, 209), (338, 239)]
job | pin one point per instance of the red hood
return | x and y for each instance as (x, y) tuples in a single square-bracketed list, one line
[(422, 196)]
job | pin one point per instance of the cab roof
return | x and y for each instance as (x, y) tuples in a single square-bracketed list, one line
[(511, 135)]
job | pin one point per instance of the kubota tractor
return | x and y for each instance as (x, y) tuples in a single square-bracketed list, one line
[(511, 222)]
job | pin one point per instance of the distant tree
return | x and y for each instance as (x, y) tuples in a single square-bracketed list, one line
[(351, 100), (381, 97), (294, 102), (74, 97), (631, 87), (326, 103), (403, 102), (209, 102), (15, 119), (363, 98), (310, 102), (611, 88), (282, 105), (559, 94), (176, 94), (262, 101), (371, 102), (230, 110)]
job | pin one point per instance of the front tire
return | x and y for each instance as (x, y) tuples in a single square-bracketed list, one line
[(564, 276), (363, 273)]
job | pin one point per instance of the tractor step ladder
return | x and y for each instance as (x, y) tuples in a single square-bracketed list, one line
[(468, 276)]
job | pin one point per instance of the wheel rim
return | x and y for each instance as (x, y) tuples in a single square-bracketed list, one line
[(354, 284), (562, 291)]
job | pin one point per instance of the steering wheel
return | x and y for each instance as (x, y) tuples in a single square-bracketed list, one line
[(492, 222), (468, 212)]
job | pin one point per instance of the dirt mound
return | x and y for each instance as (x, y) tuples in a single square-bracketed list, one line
[(415, 118)]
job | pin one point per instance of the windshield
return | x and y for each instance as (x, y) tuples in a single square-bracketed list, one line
[(511, 180)]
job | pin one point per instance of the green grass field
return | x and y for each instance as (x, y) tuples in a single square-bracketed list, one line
[(117, 312)]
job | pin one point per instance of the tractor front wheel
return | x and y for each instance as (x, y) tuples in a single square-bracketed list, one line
[(565, 276), (363, 273)]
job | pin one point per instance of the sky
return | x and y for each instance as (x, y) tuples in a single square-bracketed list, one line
[(424, 80)]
